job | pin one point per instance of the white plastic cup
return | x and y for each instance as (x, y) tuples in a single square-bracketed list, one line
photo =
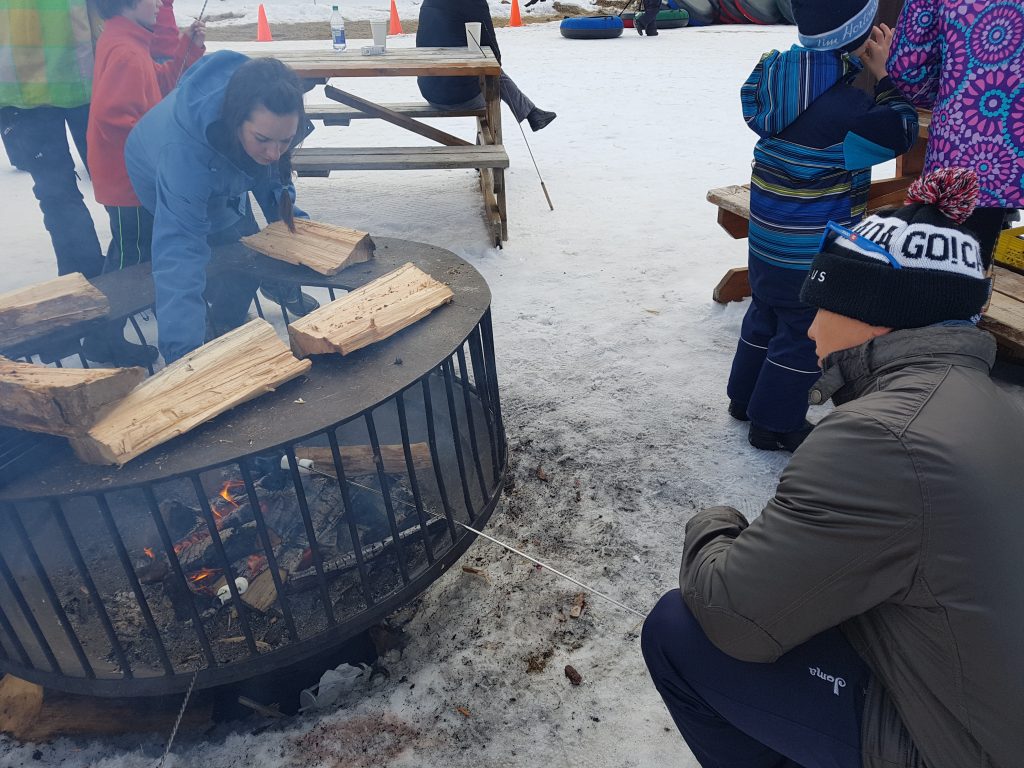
[(473, 35), (379, 29)]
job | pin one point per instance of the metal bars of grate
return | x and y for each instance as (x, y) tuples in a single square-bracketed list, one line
[(104, 593)]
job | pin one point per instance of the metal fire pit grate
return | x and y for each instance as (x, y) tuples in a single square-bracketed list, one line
[(335, 498)]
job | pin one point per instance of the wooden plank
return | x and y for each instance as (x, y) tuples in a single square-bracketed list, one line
[(340, 114), (324, 248), (262, 593), (395, 118), (397, 62), (371, 313), (28, 712), (318, 159), (734, 198), (734, 286), (230, 370), (1004, 319), (30, 312), (358, 459), (60, 401), (1008, 283)]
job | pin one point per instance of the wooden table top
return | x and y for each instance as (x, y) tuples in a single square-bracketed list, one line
[(397, 62)]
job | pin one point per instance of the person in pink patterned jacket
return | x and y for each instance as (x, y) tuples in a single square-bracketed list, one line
[(965, 61)]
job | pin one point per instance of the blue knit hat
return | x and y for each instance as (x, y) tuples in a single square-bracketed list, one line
[(834, 25)]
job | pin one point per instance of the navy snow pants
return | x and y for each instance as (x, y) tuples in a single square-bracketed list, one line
[(775, 364), (802, 711)]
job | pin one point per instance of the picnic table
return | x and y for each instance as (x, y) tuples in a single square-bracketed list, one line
[(487, 154), (1003, 317)]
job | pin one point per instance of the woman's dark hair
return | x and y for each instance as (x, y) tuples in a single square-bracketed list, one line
[(273, 85), (108, 9)]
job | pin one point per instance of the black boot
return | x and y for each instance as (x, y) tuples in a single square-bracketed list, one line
[(738, 411), (538, 118), (290, 298), (638, 23), (767, 440), (109, 346)]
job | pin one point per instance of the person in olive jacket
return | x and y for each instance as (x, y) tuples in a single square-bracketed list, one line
[(873, 614)]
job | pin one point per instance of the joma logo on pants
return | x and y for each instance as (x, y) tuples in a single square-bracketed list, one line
[(837, 682)]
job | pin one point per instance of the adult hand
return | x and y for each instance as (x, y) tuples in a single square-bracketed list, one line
[(876, 51), (198, 32)]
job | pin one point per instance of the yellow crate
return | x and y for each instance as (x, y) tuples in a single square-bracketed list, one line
[(1010, 249)]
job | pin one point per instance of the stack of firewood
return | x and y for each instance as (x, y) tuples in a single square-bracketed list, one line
[(112, 416)]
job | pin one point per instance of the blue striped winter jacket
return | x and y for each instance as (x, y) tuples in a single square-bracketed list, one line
[(819, 138)]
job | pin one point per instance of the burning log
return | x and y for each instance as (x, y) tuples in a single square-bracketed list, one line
[(372, 313), (325, 248), (228, 371), (60, 401), (358, 459), (31, 312)]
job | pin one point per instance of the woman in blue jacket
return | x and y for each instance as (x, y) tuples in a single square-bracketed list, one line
[(227, 130)]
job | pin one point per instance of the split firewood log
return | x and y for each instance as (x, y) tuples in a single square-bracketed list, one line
[(228, 371), (60, 401), (33, 311), (374, 312), (324, 248)]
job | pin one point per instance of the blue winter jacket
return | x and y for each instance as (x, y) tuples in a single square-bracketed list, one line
[(193, 190), (818, 138)]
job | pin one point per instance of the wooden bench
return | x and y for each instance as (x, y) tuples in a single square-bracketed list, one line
[(342, 114), (490, 160), (1003, 318)]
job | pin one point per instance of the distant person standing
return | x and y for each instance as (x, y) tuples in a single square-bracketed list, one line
[(443, 25), (965, 62), (647, 21), (46, 63)]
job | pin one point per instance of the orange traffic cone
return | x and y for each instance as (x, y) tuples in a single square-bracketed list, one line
[(262, 27), (395, 26), (514, 20)]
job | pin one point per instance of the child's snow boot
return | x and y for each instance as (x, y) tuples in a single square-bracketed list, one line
[(767, 440)]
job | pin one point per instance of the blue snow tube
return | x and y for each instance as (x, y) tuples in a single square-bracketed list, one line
[(591, 27)]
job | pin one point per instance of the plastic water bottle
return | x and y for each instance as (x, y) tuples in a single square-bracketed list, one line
[(337, 29)]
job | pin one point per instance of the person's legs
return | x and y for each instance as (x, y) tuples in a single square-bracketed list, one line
[(521, 106), (648, 21), (779, 401), (759, 325), (7, 135), (41, 135), (77, 119), (802, 711), (229, 297), (517, 101), (131, 237), (131, 230)]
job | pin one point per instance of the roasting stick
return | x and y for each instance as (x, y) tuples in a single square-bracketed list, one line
[(309, 466), (190, 41)]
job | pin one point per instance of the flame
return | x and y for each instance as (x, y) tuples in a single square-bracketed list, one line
[(203, 574), (225, 492), (149, 553)]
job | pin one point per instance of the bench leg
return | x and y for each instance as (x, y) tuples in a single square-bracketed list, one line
[(734, 286), (492, 213)]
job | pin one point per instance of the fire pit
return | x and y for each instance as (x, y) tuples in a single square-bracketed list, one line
[(274, 532)]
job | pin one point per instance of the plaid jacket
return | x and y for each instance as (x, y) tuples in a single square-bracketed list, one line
[(46, 53)]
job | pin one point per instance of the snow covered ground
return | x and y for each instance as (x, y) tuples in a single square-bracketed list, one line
[(612, 362)]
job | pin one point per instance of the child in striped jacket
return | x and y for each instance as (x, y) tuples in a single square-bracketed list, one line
[(819, 137)]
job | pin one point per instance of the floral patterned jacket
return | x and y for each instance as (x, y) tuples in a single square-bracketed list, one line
[(965, 61)]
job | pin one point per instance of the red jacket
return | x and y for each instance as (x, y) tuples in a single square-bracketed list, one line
[(127, 83), (165, 33)]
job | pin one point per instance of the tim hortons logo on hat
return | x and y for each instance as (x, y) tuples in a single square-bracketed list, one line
[(919, 244)]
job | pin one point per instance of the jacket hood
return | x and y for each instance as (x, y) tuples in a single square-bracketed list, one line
[(850, 372), (785, 83), (200, 94)]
